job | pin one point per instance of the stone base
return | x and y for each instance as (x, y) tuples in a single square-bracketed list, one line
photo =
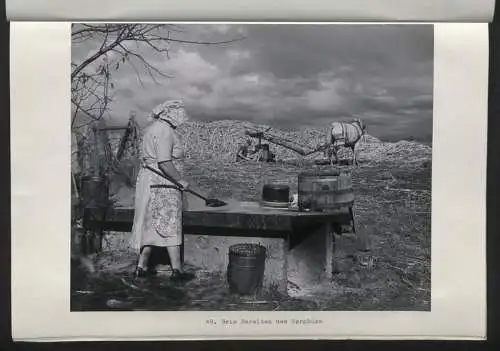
[(311, 262), (211, 253), (307, 264)]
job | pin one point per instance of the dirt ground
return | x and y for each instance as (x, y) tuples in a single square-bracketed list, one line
[(393, 207)]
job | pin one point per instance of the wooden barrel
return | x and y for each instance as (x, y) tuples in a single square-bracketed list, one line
[(245, 271), (325, 190), (94, 191)]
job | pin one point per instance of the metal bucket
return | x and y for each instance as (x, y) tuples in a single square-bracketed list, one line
[(245, 271)]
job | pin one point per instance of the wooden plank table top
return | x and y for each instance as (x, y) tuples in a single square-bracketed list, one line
[(235, 219)]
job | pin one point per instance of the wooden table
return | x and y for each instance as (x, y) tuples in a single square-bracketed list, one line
[(299, 236), (241, 220)]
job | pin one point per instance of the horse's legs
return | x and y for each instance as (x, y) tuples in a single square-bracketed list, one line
[(354, 160), (331, 155)]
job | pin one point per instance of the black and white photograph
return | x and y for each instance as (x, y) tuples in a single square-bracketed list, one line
[(251, 166)]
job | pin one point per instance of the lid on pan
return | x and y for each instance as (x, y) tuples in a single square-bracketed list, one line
[(324, 173), (274, 186)]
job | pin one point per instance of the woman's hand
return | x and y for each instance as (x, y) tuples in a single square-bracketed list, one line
[(184, 184)]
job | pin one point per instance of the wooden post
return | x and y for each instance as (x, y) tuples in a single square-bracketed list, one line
[(330, 251), (128, 132), (363, 240), (95, 151)]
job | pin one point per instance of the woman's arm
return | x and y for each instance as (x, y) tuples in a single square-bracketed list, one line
[(165, 145), (168, 168)]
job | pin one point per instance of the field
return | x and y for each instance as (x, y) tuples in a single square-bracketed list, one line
[(393, 198)]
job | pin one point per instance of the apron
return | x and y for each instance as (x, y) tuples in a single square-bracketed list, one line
[(158, 212)]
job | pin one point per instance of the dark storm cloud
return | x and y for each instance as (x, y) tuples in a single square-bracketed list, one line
[(296, 75), (305, 50)]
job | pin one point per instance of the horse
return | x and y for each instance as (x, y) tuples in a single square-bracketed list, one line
[(346, 135)]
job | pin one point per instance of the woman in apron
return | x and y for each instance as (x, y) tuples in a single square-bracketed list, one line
[(158, 201)]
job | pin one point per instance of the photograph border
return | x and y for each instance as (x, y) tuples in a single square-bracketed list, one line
[(460, 74)]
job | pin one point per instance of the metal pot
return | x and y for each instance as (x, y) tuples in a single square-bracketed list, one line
[(276, 195)]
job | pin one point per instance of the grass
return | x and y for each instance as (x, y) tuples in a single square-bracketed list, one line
[(392, 207)]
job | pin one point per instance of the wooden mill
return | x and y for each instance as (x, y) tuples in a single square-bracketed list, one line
[(266, 155)]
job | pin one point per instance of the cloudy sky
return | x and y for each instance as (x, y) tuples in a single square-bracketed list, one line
[(290, 76)]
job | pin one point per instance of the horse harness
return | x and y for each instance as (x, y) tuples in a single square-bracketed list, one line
[(356, 125)]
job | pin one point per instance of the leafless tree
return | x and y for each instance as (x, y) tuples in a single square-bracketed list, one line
[(110, 47), (116, 45)]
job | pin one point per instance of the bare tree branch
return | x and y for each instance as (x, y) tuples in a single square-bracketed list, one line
[(117, 45)]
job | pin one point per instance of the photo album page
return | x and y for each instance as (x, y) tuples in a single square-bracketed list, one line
[(248, 170)]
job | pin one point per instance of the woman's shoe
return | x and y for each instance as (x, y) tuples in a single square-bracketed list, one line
[(141, 273), (178, 276)]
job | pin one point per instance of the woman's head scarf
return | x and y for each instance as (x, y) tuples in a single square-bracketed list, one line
[(172, 111)]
